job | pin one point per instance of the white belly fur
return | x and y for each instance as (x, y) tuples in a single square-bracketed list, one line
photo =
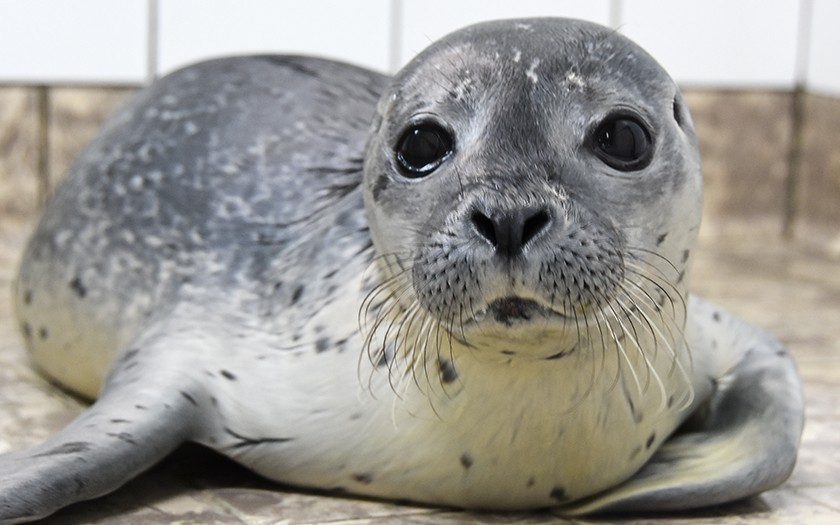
[(513, 433)]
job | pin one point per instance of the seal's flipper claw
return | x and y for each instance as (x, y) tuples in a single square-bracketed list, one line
[(140, 418), (744, 441)]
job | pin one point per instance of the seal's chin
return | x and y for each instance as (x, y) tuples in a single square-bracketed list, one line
[(513, 310)]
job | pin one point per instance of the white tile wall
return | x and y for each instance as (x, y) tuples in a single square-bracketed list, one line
[(78, 41), (354, 31), (743, 43), (823, 69)]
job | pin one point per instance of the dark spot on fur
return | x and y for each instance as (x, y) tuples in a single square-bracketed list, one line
[(367, 246), (123, 436), (661, 238), (364, 478), (247, 441), (322, 344), (558, 493), (140, 407), (379, 186), (341, 344), (635, 452), (508, 352), (559, 355), (43, 333), (79, 288), (670, 401), (27, 297), (716, 317), (118, 421), (448, 373), (781, 353), (650, 440), (297, 294), (189, 398), (278, 285), (681, 277), (466, 460), (685, 255), (383, 360), (531, 482), (227, 375), (80, 484), (72, 447), (27, 330), (289, 63), (660, 300)]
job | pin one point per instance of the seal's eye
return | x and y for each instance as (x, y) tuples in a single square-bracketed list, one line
[(422, 148), (623, 142)]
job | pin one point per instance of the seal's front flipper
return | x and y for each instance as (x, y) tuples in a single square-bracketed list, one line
[(744, 441), (141, 416)]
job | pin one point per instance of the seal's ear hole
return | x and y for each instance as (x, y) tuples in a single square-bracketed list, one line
[(623, 142), (678, 112), (422, 148)]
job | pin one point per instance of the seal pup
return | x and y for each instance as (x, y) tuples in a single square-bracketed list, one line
[(479, 300)]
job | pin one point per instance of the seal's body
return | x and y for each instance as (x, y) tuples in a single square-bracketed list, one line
[(478, 300)]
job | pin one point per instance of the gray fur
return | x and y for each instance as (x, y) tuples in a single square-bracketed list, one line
[(211, 256)]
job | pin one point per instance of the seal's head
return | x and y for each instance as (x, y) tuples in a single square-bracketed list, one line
[(534, 184)]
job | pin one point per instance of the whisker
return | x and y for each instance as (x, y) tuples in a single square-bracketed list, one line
[(651, 369), (668, 341)]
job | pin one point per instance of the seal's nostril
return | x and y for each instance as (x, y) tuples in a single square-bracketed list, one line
[(484, 225), (534, 225)]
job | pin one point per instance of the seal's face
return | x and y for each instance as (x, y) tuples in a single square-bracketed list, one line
[(533, 184)]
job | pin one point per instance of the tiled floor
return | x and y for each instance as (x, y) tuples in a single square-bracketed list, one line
[(792, 289)]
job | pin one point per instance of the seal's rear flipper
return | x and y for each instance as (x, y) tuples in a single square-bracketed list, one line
[(743, 442), (141, 416)]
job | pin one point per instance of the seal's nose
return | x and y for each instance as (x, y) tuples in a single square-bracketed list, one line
[(510, 230)]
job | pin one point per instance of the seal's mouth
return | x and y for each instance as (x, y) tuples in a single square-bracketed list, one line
[(515, 310)]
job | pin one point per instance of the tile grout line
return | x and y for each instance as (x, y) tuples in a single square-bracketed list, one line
[(43, 155), (798, 124), (395, 35), (616, 13), (152, 39)]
